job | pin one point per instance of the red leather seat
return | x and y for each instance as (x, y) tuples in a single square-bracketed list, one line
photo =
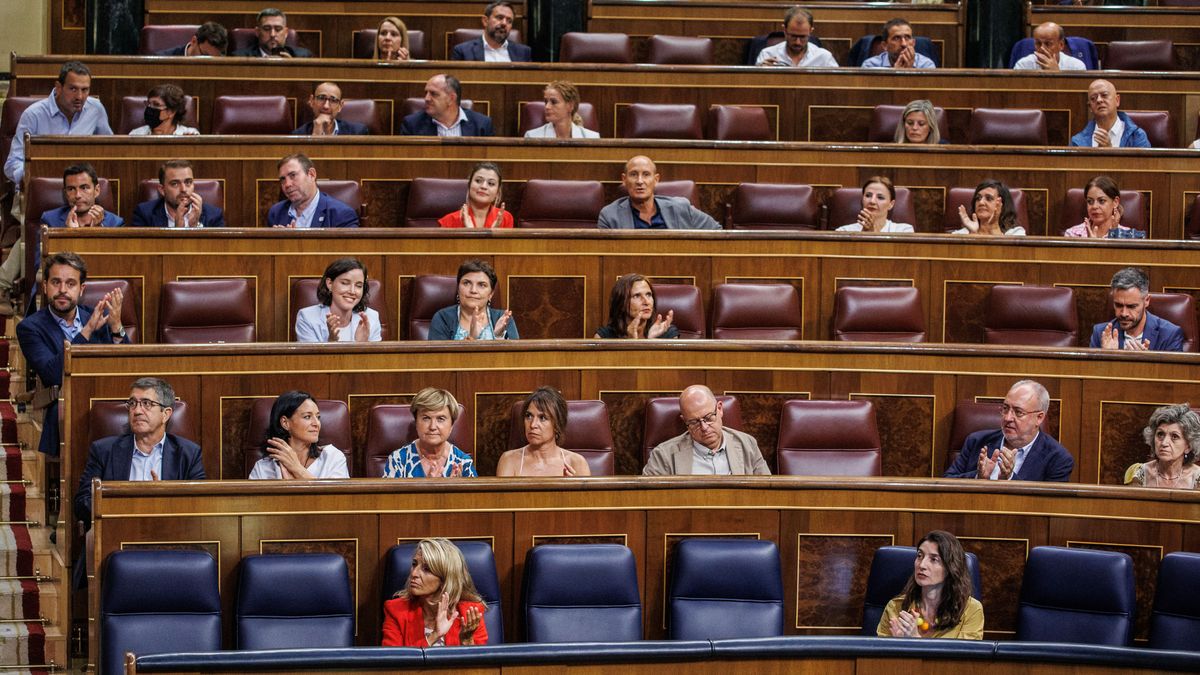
[(364, 44), (431, 198), (45, 193), (661, 421), (347, 192), (961, 196), (335, 430), (360, 110), (595, 48), (756, 312), (667, 50), (391, 426), (1140, 55), (532, 115), (828, 438), (1159, 128), (740, 123), (14, 106), (878, 314), (773, 206), (303, 293), (662, 120), (211, 190), (1193, 220), (131, 303), (885, 118), (1179, 309), (252, 115), (206, 311), (155, 39), (1133, 210), (1031, 315), (1002, 126), (430, 293), (245, 38), (111, 418), (588, 432), (461, 35), (847, 202), (561, 204), (688, 305)]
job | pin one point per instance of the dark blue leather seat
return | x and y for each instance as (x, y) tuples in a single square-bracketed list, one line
[(156, 602), (582, 593), (890, 569), (481, 563), (726, 588), (1076, 595), (1175, 621), (294, 600)]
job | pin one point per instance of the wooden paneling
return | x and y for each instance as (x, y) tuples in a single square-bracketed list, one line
[(1107, 24)]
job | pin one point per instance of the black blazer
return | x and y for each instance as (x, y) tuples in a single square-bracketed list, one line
[(110, 459), (421, 124), (152, 214), (1047, 459), (252, 50), (472, 50), (344, 128)]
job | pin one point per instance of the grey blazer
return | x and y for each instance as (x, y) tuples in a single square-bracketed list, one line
[(674, 457), (676, 211)]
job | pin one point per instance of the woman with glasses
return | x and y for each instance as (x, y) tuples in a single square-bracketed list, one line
[(1173, 435), (936, 602), (290, 450), (545, 416), (165, 109)]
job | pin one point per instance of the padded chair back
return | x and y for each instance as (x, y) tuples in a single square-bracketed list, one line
[(847, 202), (132, 108), (155, 39), (1133, 209), (9, 117), (961, 196), (461, 35), (158, 602), (1140, 55), (969, 417), (314, 607), (252, 115), (756, 312), (361, 110), (1175, 621), (46, 193), (739, 123), (347, 192), (206, 311), (661, 421), (662, 120), (773, 206), (481, 564), (335, 430), (873, 45), (211, 190), (1179, 309), (390, 426), (588, 432), (878, 314), (561, 204), (891, 566), (303, 293), (828, 438), (1002, 126), (725, 588), (1076, 595), (431, 198), (1159, 128), (95, 289), (430, 293), (572, 590), (244, 38), (1031, 315), (885, 118), (667, 50), (111, 418), (1079, 47), (595, 48), (672, 188), (688, 305), (533, 115), (364, 44)]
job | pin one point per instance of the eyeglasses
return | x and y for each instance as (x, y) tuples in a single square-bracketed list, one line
[(708, 420), (1017, 412), (144, 403), (324, 98)]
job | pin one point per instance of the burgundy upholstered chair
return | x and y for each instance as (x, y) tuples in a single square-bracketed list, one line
[(878, 314), (430, 293), (335, 429), (1133, 210), (1002, 126), (155, 39), (252, 115), (663, 120), (1192, 230), (361, 110), (533, 115), (211, 190), (756, 312), (561, 204), (132, 108), (773, 206), (595, 48), (46, 193), (884, 119), (828, 438), (348, 192), (111, 418), (673, 188), (661, 421), (588, 433), (244, 38), (1140, 55), (739, 123), (688, 305), (847, 202), (364, 44), (667, 50), (95, 289), (207, 310), (14, 106), (431, 198), (391, 426), (1158, 125), (303, 293), (1031, 315), (961, 196), (1179, 309)]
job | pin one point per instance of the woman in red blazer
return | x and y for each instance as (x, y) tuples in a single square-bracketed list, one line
[(439, 607)]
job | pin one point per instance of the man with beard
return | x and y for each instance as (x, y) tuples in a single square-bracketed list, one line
[(304, 204), (81, 187), (494, 46), (272, 31), (1135, 328), (1018, 450), (178, 204)]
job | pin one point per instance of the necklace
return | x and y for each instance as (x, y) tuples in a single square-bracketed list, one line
[(432, 466)]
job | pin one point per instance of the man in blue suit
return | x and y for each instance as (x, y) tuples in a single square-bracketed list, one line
[(178, 204), (305, 205), (210, 39), (326, 103), (1134, 327), (81, 188), (494, 46), (41, 334), (1018, 450), (443, 114)]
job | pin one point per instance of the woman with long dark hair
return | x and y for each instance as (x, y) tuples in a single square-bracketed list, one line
[(936, 601), (290, 449), (633, 312)]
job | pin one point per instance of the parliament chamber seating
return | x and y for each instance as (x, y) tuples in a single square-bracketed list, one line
[(891, 567), (561, 204), (364, 111), (431, 198), (335, 430), (1005, 126), (391, 426), (158, 601), (1193, 220), (578, 592), (773, 206), (588, 432), (872, 45), (1158, 125), (686, 302), (364, 44), (346, 191), (244, 38), (207, 311), (132, 118), (1175, 619), (756, 312), (725, 588), (1077, 595), (595, 48), (111, 418), (972, 416), (846, 203), (461, 35), (303, 293), (828, 438), (95, 290), (1134, 210), (211, 190), (962, 196), (1179, 309), (253, 115), (662, 120), (155, 39), (878, 314), (10, 115), (294, 600), (46, 193), (430, 293), (1031, 315), (885, 118), (1140, 55), (532, 114), (739, 123), (661, 421), (1079, 47), (481, 564), (673, 188), (416, 104), (668, 50)]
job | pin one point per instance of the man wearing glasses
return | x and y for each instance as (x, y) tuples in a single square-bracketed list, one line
[(1018, 451), (796, 50), (706, 448), (326, 104), (272, 33)]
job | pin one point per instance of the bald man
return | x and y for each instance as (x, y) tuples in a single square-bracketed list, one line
[(642, 210), (1109, 127), (1049, 51), (707, 448)]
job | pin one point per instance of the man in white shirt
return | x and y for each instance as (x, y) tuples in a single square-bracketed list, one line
[(707, 448), (795, 49), (1109, 127), (1049, 51), (443, 114), (494, 46)]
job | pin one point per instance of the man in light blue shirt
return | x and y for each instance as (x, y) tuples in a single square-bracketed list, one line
[(899, 48)]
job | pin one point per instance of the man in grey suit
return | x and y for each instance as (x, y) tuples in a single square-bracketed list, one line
[(706, 448), (641, 210)]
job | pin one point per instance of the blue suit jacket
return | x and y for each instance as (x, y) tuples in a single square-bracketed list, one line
[(421, 124), (42, 344), (1133, 137), (111, 458), (153, 214), (330, 213), (472, 50), (1163, 335), (58, 218), (344, 128), (1046, 460)]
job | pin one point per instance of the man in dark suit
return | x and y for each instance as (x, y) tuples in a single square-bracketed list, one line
[(1135, 328), (272, 37), (1018, 451), (42, 333), (326, 103), (305, 205), (443, 114), (494, 46), (210, 39), (178, 204)]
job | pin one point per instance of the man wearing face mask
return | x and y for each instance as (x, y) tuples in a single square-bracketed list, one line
[(178, 204), (81, 187)]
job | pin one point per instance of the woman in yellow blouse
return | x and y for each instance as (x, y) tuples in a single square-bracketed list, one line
[(936, 601)]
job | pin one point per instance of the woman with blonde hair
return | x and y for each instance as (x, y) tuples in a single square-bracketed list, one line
[(439, 606), (391, 40), (562, 114), (918, 124)]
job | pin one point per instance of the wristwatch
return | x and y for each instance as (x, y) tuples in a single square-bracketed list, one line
[(121, 334)]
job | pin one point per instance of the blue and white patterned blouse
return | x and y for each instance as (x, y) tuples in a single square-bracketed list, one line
[(406, 463)]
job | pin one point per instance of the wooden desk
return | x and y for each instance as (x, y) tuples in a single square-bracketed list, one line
[(1106, 24)]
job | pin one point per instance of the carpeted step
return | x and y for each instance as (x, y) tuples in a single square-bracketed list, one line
[(16, 551), (20, 599), (13, 502), (11, 461), (22, 644), (8, 420)]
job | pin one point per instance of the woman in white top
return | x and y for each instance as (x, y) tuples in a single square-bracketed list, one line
[(992, 211), (290, 450), (878, 199), (545, 426), (341, 313), (165, 109), (562, 114)]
